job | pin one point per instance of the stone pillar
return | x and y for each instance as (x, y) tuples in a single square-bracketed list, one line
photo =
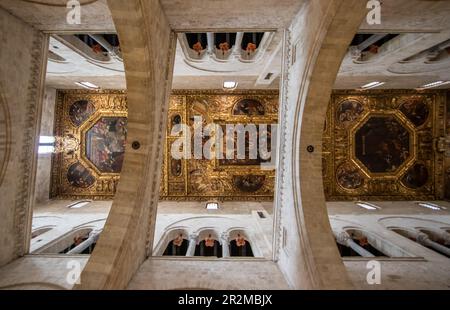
[(192, 244), (314, 46), (148, 47), (237, 44), (211, 45), (344, 239), (225, 245), (424, 240), (93, 237)]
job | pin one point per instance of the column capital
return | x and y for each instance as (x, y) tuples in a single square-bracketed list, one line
[(422, 238), (342, 238), (224, 236), (193, 236)]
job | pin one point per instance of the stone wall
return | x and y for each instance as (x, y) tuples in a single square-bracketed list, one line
[(22, 51), (191, 273), (40, 272)]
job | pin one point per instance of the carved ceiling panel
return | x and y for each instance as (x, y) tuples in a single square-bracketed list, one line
[(98, 121), (223, 179), (378, 145), (382, 145)]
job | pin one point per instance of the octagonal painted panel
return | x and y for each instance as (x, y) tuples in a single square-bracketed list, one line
[(382, 144), (105, 144)]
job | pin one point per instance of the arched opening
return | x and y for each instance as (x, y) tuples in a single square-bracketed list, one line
[(197, 41), (251, 38), (424, 238), (224, 40), (177, 247), (76, 241), (346, 251), (366, 242), (440, 237), (68, 242), (241, 247), (209, 247)]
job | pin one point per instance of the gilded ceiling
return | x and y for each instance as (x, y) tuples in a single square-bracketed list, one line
[(98, 121), (382, 145), (376, 145)]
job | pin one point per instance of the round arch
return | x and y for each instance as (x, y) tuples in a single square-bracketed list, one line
[(315, 46)]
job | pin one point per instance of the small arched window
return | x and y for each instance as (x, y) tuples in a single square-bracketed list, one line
[(239, 246), (209, 247), (177, 246)]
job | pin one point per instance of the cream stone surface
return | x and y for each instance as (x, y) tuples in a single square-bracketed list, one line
[(223, 274), (44, 163), (316, 42), (63, 220), (40, 272), (95, 16), (128, 233), (295, 245), (21, 57), (421, 269)]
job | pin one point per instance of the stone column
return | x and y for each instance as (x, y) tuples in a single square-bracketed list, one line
[(446, 237), (424, 240), (192, 244), (225, 245), (211, 45), (344, 239), (237, 44)]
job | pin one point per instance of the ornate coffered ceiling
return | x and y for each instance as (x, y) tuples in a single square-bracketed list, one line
[(98, 121), (377, 145), (382, 145)]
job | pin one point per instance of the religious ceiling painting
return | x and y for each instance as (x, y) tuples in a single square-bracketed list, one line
[(382, 145), (229, 178), (98, 122)]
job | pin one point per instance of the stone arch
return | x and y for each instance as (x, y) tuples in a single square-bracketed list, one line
[(378, 242), (169, 235), (315, 45), (148, 47), (410, 223), (235, 232), (205, 232), (61, 243)]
